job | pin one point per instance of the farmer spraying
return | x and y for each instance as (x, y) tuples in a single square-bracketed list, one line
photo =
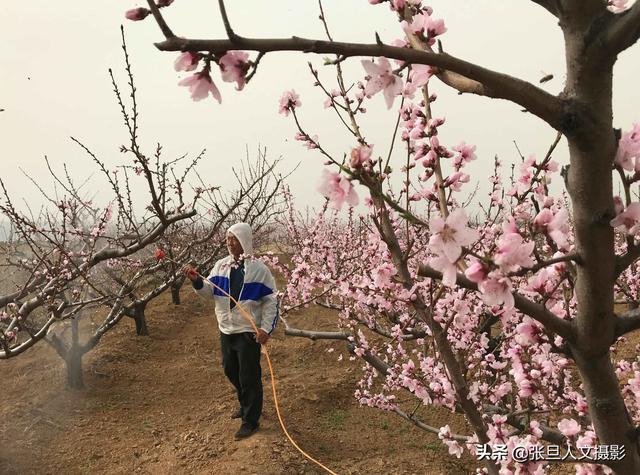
[(248, 281)]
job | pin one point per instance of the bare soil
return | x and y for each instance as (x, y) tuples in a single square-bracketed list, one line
[(161, 404)]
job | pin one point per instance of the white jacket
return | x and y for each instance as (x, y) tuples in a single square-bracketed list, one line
[(258, 294)]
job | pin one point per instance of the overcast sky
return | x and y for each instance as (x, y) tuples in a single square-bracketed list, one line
[(54, 84)]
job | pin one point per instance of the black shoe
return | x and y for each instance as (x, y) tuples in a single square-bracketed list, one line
[(237, 414), (245, 430)]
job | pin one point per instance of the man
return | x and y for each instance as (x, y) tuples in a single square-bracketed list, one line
[(250, 282)]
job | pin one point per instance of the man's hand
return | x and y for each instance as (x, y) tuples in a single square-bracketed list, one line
[(262, 336), (190, 272)]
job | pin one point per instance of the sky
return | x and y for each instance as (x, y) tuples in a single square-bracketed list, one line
[(54, 84)]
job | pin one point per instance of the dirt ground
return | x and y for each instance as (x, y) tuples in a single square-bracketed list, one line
[(161, 404)]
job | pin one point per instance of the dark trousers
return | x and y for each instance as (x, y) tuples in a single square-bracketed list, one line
[(241, 362)]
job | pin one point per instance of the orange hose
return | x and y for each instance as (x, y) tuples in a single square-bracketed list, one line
[(273, 377)]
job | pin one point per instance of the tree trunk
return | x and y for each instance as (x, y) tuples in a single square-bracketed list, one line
[(73, 358), (607, 409), (175, 293), (141, 322), (592, 147), (73, 364)]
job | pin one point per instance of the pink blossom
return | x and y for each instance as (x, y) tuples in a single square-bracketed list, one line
[(618, 205), (420, 74), (496, 290), (476, 272), (200, 85), (429, 159), (588, 439), (513, 252), (466, 152), (234, 66), (424, 24), (617, 6), (409, 89), (569, 427), (433, 27), (164, 3), (525, 387), (448, 269), (137, 14), (535, 429), (454, 447), (187, 61), (108, 214), (338, 189), (509, 226), (360, 156), (555, 225), (451, 234), (628, 153), (456, 179), (551, 166), (381, 78), (288, 102), (330, 100), (526, 332), (382, 275), (310, 143), (628, 220)]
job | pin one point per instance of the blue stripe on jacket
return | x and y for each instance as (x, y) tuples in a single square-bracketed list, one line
[(254, 291), (275, 320), (222, 282)]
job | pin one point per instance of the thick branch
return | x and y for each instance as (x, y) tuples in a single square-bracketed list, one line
[(624, 261), (627, 322), (624, 30), (5, 354), (492, 84), (315, 335), (536, 311)]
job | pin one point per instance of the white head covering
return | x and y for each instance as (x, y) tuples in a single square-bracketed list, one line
[(242, 231)]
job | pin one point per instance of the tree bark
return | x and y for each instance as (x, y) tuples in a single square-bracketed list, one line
[(73, 364), (592, 147), (139, 318), (175, 293)]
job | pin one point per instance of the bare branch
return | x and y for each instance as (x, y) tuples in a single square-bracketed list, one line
[(315, 335), (227, 24), (155, 11), (428, 428), (551, 322)]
